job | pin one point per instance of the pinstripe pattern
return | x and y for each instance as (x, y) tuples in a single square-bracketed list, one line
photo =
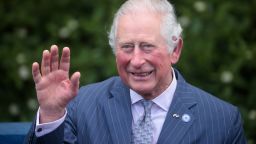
[(101, 114)]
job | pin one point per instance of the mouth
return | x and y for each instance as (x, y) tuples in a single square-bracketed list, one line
[(140, 75)]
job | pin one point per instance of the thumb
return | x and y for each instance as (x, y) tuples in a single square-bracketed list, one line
[(75, 80)]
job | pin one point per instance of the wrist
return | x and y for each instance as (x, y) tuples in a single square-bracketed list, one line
[(46, 116)]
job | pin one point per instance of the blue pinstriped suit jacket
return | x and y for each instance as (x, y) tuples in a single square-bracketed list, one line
[(101, 114)]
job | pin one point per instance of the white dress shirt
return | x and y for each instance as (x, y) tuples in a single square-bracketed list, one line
[(159, 111)]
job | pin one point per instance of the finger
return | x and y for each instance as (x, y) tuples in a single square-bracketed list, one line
[(54, 58), (45, 65), (65, 59), (36, 73), (75, 83)]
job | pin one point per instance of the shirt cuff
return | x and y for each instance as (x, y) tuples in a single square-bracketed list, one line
[(45, 128)]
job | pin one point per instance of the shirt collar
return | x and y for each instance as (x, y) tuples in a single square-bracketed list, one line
[(163, 100)]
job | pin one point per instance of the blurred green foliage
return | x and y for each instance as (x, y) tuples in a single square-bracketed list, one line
[(218, 55)]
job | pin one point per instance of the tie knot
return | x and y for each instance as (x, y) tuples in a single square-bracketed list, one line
[(147, 104)]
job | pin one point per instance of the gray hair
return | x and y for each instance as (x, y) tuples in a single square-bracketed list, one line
[(170, 28)]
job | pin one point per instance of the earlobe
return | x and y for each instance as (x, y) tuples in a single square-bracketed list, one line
[(177, 52)]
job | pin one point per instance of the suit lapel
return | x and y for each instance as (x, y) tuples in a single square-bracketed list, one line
[(180, 116), (118, 113)]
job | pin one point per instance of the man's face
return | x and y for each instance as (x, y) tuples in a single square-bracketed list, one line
[(142, 57)]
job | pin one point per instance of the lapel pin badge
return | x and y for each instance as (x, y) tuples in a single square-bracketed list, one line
[(176, 115), (186, 118)]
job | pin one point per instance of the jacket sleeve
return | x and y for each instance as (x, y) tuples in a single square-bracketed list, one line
[(65, 133), (54, 137)]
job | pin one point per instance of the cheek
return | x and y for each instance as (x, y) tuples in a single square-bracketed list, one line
[(121, 61), (161, 62), (159, 58)]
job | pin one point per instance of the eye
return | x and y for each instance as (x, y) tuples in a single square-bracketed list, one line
[(147, 47), (127, 47)]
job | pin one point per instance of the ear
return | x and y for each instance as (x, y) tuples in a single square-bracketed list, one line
[(175, 55)]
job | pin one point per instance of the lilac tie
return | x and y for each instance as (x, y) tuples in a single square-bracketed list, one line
[(143, 128)]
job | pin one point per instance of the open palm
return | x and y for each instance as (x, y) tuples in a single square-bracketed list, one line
[(54, 88)]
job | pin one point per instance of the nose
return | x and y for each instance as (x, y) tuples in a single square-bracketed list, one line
[(137, 59)]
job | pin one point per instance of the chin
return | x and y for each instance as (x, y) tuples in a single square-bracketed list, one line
[(142, 90)]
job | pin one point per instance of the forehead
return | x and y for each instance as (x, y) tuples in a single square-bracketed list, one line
[(139, 25)]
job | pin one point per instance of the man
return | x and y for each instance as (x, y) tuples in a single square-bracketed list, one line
[(149, 103)]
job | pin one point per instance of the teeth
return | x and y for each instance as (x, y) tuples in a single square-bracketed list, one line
[(142, 74)]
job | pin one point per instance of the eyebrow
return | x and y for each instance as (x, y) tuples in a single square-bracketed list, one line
[(132, 41)]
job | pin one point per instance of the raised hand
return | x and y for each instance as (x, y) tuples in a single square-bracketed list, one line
[(54, 88)]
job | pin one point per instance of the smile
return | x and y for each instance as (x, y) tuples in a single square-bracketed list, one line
[(141, 74)]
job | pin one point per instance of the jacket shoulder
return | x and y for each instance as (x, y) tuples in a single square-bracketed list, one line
[(207, 98)]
